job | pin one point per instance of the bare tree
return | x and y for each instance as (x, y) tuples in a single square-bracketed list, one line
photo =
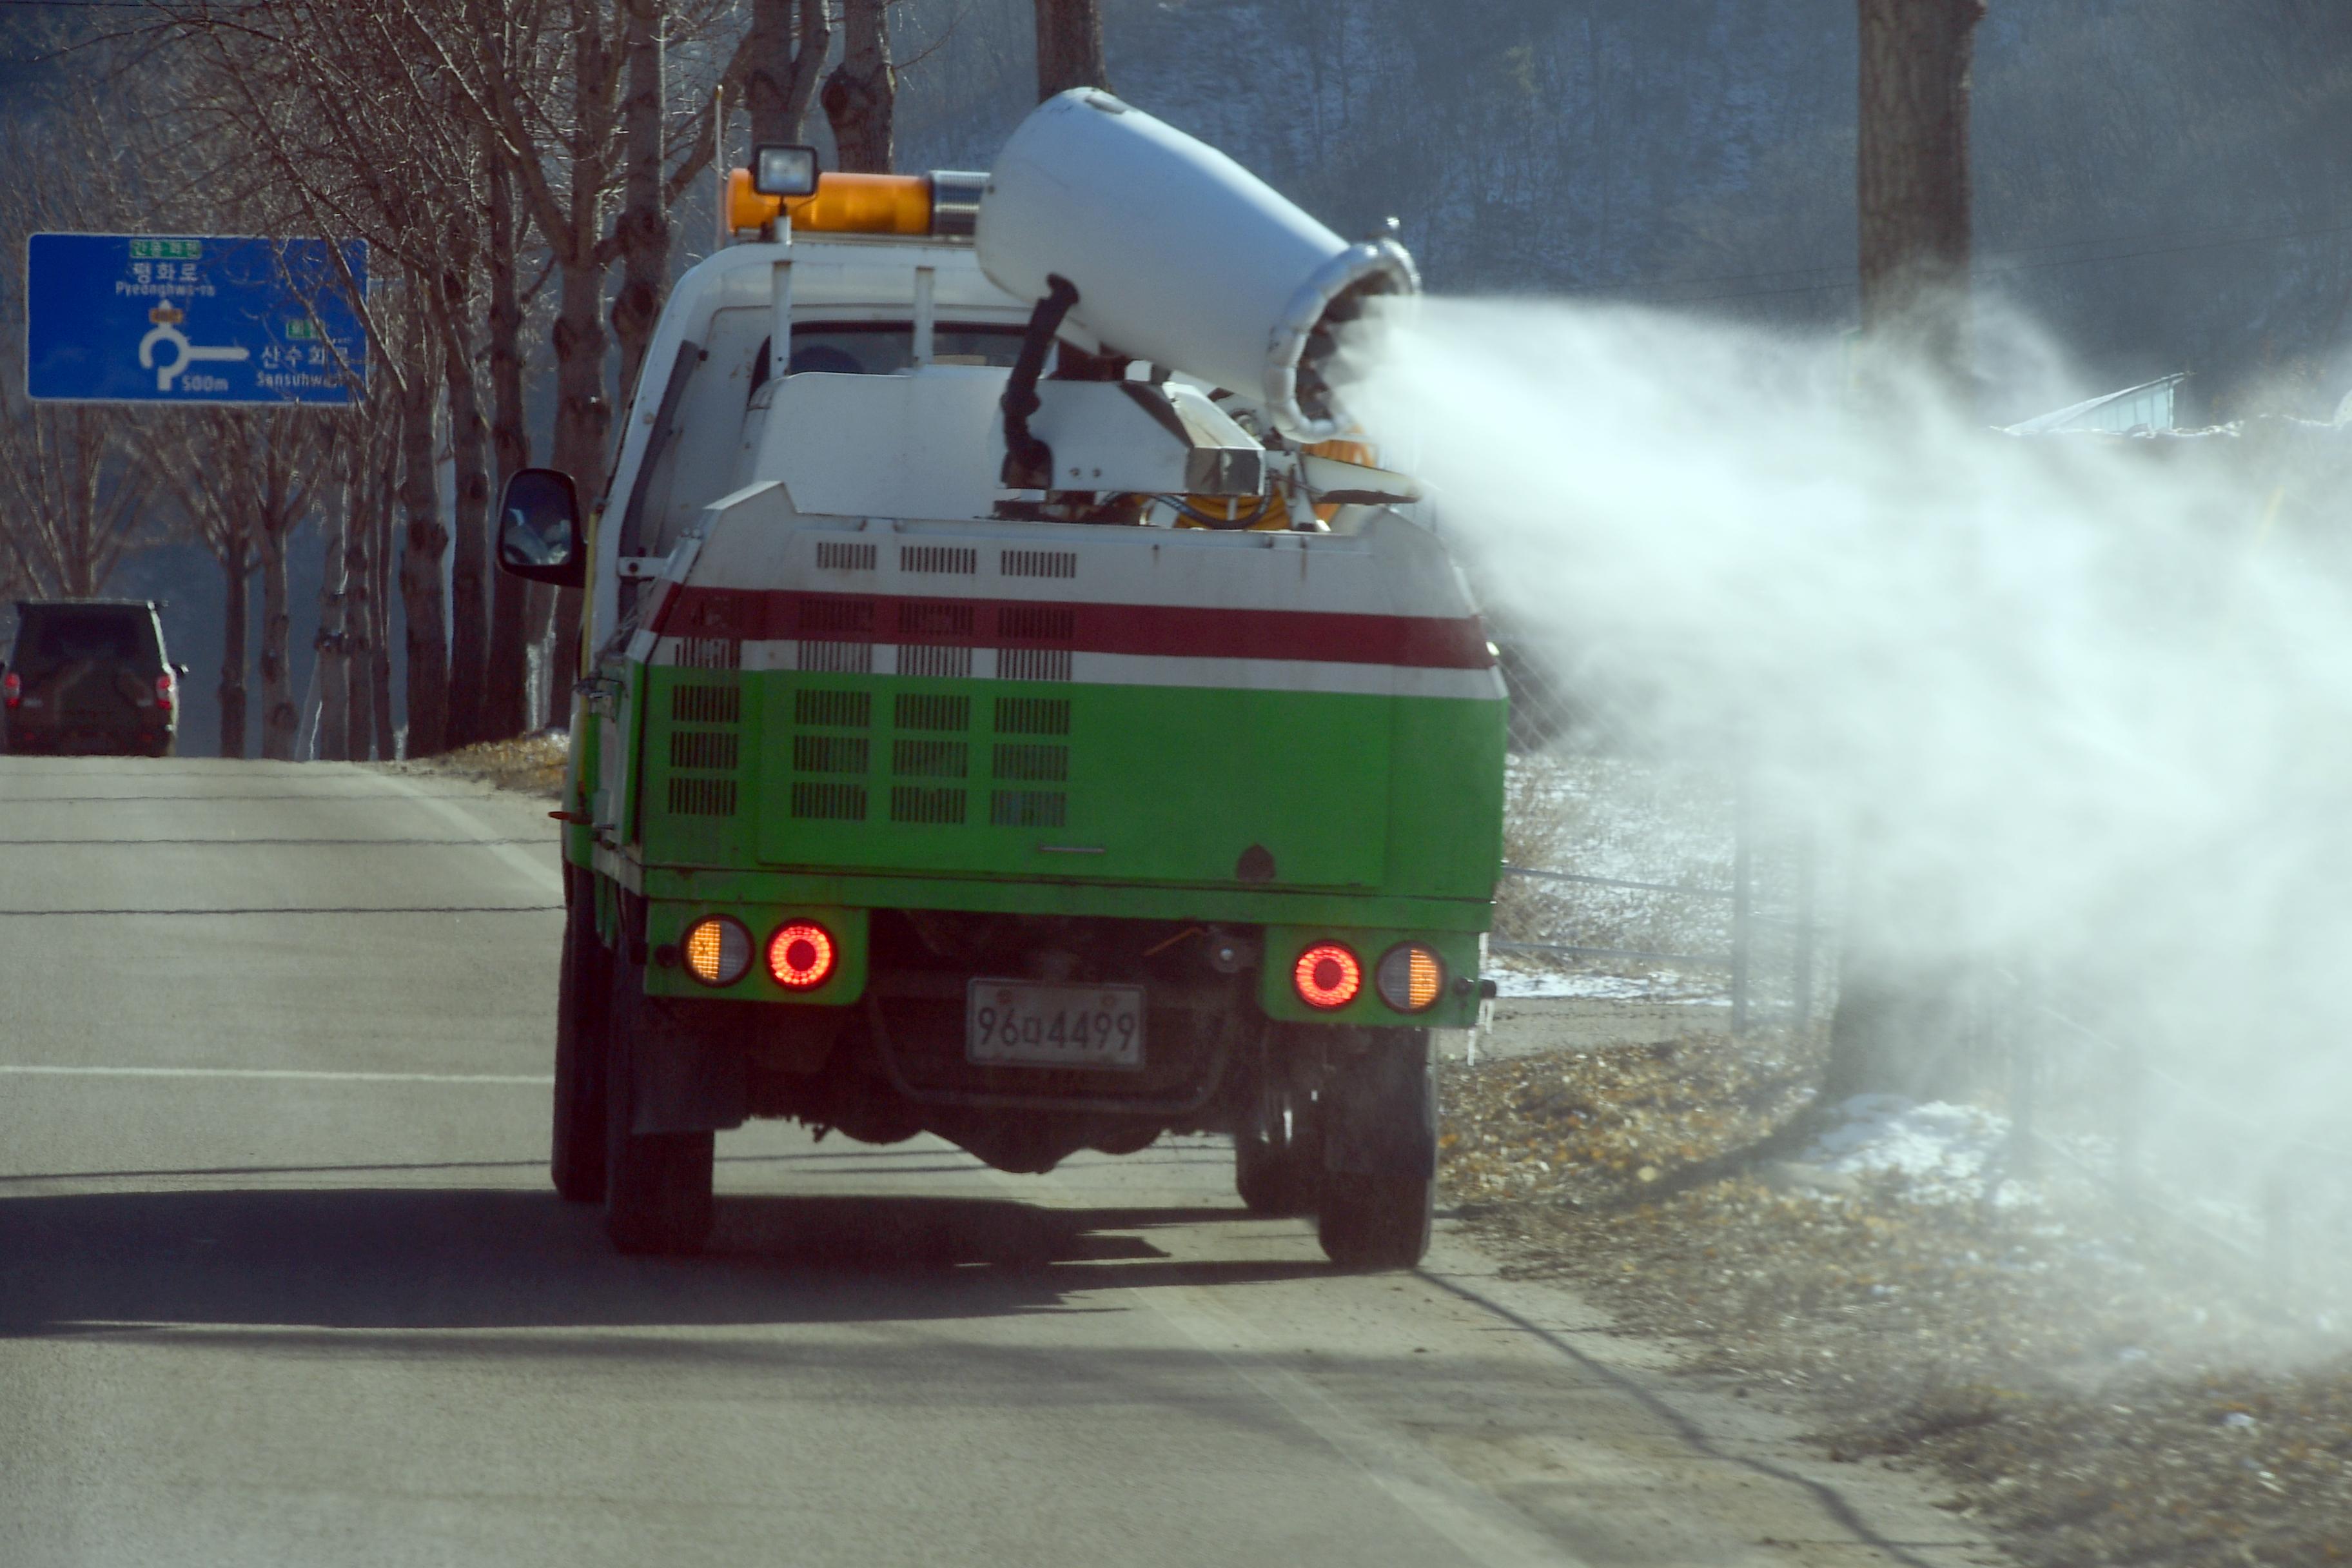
[(1912, 177), (782, 64), (74, 485), (1070, 46), (861, 95), (1902, 1008)]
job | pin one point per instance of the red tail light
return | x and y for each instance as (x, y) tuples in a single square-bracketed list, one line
[(1328, 976), (801, 955), (12, 688), (163, 691)]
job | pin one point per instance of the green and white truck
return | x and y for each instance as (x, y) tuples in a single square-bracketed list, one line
[(1003, 711)]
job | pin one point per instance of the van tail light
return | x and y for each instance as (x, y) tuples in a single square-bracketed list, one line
[(12, 687), (801, 955), (1328, 976), (163, 691)]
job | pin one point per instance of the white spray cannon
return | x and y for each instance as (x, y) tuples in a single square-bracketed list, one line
[(1125, 231)]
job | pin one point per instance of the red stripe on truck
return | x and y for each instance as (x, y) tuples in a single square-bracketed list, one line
[(1166, 631)]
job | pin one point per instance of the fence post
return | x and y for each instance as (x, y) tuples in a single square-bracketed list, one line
[(2024, 1079), (2131, 1132), (1742, 936), (2278, 1233), (1804, 978)]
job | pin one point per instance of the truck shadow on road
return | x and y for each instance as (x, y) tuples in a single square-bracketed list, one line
[(423, 1257)]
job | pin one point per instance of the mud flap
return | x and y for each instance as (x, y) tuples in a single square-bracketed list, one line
[(1380, 1109), (688, 1079)]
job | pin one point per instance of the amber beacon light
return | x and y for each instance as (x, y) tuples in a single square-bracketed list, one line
[(1328, 976), (801, 955)]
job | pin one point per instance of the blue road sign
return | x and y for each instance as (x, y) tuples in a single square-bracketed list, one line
[(123, 317)]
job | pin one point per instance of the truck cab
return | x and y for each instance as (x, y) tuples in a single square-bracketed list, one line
[(933, 771)]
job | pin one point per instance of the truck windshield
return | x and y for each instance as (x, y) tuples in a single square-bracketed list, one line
[(881, 348)]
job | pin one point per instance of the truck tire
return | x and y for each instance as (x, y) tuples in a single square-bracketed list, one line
[(1380, 1168), (576, 1149), (656, 1184), (1279, 1165)]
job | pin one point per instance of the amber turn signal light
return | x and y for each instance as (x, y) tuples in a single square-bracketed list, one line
[(717, 949)]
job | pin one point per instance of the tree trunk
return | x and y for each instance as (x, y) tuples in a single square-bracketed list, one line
[(644, 229), (470, 457), (1901, 1025), (786, 65), (279, 717), (427, 662), (861, 96), (328, 648), (387, 743), (358, 616), (503, 709), (1912, 180), (1070, 46), (234, 613)]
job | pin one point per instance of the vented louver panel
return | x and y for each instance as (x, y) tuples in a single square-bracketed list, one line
[(1033, 664), (1038, 563), (836, 657), (833, 709), (835, 617), (919, 710), (951, 559), (923, 659), (707, 653), (1032, 715), (935, 618), (831, 753), (1046, 764), (705, 704), (710, 750), (840, 555), (930, 759), (1036, 623), (912, 803), (1028, 808), (829, 802), (702, 797)]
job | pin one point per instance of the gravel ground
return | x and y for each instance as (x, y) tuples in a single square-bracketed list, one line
[(2092, 1391), (531, 763)]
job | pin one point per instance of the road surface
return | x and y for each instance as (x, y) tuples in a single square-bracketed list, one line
[(282, 1281)]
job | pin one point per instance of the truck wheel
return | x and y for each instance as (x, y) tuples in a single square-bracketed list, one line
[(656, 1184), (1380, 1167), (577, 1149), (1278, 1164)]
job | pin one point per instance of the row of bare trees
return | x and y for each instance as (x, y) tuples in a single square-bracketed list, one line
[(519, 169)]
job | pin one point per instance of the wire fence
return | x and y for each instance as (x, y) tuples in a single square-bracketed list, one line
[(1676, 870), (2160, 1126)]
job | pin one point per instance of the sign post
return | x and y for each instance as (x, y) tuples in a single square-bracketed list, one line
[(148, 319)]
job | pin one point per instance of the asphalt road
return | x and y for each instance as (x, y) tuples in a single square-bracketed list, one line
[(282, 1282)]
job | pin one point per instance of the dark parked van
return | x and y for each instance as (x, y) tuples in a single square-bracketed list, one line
[(89, 675)]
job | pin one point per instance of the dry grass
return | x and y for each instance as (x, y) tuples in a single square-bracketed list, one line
[(2087, 1391), (532, 764)]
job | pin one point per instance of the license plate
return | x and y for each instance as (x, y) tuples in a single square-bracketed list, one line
[(1028, 1024)]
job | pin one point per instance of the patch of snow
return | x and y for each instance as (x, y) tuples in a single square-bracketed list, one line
[(1517, 977), (1950, 1152)]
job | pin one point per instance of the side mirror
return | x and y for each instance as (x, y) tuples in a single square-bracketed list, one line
[(181, 670), (538, 528)]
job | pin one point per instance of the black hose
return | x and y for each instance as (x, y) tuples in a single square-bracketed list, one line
[(1028, 461)]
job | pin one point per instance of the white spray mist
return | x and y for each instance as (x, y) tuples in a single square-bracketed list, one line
[(2096, 699)]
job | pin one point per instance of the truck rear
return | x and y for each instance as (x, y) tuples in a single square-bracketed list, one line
[(986, 731)]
